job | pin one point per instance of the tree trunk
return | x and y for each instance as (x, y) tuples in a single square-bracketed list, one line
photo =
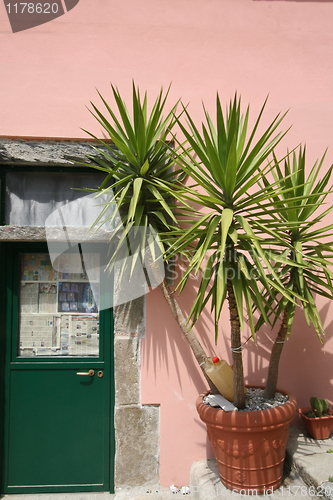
[(273, 370), (190, 336), (239, 396)]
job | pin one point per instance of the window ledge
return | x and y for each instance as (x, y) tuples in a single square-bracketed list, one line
[(39, 233)]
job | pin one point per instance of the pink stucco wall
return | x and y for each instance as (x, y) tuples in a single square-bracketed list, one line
[(49, 73)]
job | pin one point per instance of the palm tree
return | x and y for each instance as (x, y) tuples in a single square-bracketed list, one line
[(238, 246), (227, 243), (307, 246), (145, 187)]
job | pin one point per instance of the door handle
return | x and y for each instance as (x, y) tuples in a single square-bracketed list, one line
[(91, 373)]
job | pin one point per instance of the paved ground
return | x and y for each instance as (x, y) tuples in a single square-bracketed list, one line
[(310, 466), (61, 496)]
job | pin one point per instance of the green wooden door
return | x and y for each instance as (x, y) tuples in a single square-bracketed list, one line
[(58, 419)]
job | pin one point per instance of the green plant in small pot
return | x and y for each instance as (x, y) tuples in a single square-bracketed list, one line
[(319, 408), (318, 419)]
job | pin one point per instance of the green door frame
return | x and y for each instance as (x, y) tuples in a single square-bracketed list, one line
[(8, 309), (3, 303)]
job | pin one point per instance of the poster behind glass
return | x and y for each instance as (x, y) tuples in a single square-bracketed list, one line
[(59, 309)]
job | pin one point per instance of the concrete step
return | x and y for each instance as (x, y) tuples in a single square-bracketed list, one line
[(312, 460), (205, 484)]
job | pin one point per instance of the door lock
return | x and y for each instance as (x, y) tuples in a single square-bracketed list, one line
[(100, 374), (91, 373)]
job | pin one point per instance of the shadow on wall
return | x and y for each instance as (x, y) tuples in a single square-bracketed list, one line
[(305, 365), (165, 345)]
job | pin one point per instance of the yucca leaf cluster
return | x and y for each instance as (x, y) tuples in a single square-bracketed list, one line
[(141, 181), (251, 227), (227, 168), (302, 204)]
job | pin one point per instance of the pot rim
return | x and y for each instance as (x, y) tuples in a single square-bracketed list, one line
[(282, 391), (302, 410), (238, 419)]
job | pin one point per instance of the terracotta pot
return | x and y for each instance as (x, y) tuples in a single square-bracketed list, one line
[(249, 446), (318, 427)]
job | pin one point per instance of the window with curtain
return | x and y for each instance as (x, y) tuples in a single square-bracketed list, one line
[(31, 197)]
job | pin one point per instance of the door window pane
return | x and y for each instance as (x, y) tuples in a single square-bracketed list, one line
[(58, 309)]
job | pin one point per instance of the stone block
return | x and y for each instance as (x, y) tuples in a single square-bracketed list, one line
[(46, 152), (130, 317), (127, 371), (137, 445)]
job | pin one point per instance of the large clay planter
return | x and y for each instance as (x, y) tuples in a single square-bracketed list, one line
[(249, 446), (319, 427)]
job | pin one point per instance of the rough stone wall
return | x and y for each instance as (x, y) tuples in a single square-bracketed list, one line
[(48, 153), (136, 426)]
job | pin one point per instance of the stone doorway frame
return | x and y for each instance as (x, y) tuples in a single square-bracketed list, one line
[(136, 425)]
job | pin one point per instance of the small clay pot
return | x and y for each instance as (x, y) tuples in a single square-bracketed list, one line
[(317, 427)]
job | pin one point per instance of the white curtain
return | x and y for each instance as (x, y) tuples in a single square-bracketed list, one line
[(32, 196)]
